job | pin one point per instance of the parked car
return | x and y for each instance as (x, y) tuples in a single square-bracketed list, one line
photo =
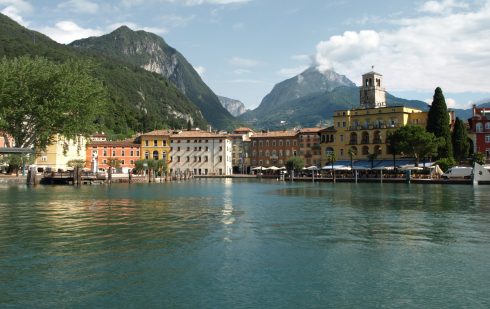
[(458, 172)]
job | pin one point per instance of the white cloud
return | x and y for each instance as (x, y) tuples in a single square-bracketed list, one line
[(442, 7), (244, 62), (79, 6), (15, 9), (200, 70), (134, 26), (451, 51), (341, 48), (290, 72), (67, 31)]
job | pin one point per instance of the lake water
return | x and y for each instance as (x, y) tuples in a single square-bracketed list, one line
[(245, 244)]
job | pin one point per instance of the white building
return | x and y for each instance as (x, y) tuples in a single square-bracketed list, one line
[(200, 153)]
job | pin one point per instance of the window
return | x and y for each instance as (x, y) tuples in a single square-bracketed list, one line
[(122, 162), (487, 138), (123, 152), (205, 158), (131, 152), (220, 148), (207, 148), (188, 148), (137, 153), (195, 148), (178, 158), (164, 143), (104, 161), (105, 152), (146, 143), (155, 143), (113, 153), (188, 159), (178, 148), (220, 158), (147, 155), (487, 126), (479, 127), (131, 162)]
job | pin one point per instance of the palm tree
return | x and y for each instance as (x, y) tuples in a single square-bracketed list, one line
[(371, 157), (352, 152)]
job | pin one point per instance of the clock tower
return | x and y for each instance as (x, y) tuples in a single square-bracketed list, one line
[(372, 94)]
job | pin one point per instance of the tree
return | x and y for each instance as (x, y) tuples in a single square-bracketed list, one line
[(39, 99), (461, 146), (295, 164), (16, 162), (479, 157), (416, 142), (80, 163), (438, 124), (371, 157), (352, 152), (392, 139)]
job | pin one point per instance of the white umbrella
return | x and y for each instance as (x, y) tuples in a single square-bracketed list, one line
[(312, 168), (410, 167), (257, 168), (274, 168), (282, 168)]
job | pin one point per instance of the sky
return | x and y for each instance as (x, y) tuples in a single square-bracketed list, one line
[(242, 48)]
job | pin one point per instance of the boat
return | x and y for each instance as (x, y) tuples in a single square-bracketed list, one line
[(481, 175)]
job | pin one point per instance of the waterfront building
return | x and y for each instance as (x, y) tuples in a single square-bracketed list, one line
[(309, 146), (156, 145), (273, 148), (101, 152), (362, 131), (200, 153), (479, 131), (240, 139), (57, 155)]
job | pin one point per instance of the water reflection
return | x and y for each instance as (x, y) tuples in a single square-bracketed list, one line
[(245, 243)]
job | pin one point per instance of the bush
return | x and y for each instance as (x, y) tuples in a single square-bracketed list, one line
[(446, 163)]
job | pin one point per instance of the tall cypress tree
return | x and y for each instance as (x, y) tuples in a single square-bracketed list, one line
[(438, 123), (461, 146)]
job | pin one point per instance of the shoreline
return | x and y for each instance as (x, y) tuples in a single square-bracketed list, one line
[(22, 180)]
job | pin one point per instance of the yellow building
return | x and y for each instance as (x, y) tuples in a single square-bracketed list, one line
[(57, 155), (364, 130), (156, 145)]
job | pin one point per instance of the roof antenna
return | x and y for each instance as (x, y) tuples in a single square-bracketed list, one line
[(372, 67)]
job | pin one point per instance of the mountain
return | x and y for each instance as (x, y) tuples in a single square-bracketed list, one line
[(140, 100), (311, 98), (235, 107), (150, 52)]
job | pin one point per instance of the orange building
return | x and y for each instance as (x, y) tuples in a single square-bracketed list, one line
[(100, 152)]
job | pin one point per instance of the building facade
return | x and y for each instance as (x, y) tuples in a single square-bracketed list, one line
[(100, 153), (362, 132), (309, 146), (479, 131), (60, 152), (240, 139), (273, 148), (200, 153), (156, 145)]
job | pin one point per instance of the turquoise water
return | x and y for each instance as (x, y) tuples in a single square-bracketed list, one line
[(245, 244)]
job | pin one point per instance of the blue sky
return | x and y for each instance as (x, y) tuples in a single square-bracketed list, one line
[(243, 47)]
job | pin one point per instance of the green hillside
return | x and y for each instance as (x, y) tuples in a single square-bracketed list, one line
[(149, 51), (141, 100)]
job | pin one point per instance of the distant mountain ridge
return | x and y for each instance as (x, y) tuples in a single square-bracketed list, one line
[(140, 100), (150, 52), (235, 107), (311, 98)]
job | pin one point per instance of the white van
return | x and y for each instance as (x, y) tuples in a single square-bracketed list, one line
[(458, 172)]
